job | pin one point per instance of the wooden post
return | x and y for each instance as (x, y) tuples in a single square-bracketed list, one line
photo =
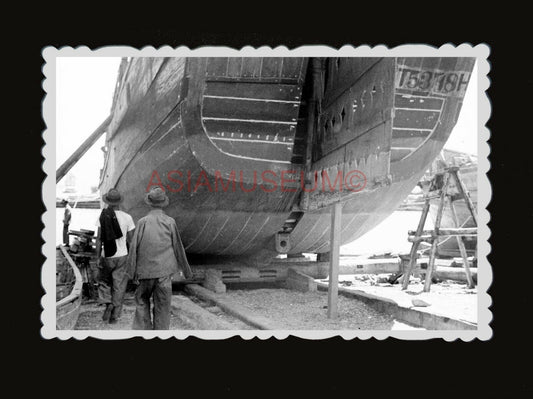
[(465, 194), (82, 149), (431, 264), (462, 248), (440, 212), (333, 286), (414, 248)]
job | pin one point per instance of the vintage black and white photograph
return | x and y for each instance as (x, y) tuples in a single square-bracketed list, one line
[(312, 192)]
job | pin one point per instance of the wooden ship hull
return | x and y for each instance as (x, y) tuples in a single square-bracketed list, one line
[(269, 130)]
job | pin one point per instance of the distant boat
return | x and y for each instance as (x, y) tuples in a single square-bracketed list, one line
[(414, 201), (87, 201), (218, 122)]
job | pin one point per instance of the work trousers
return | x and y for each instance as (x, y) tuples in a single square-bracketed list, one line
[(161, 291), (65, 234), (112, 282)]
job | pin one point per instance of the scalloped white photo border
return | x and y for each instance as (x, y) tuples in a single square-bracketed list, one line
[(480, 52)]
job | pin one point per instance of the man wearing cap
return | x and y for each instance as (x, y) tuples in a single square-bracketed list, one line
[(115, 230), (156, 254)]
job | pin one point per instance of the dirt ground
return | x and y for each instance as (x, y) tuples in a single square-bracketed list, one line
[(292, 309), (308, 311), (239, 324), (91, 317), (447, 298), (295, 310)]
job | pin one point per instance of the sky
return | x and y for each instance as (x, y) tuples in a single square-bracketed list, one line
[(464, 136), (85, 87)]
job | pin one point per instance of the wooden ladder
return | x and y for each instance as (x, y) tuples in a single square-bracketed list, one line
[(432, 236)]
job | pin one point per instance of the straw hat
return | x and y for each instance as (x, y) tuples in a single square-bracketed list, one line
[(156, 198), (113, 197)]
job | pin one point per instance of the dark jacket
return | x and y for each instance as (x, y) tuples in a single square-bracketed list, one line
[(109, 231)]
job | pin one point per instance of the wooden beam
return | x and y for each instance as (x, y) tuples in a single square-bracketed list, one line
[(299, 281), (234, 309), (457, 231), (429, 235), (433, 252), (466, 195), (450, 231), (333, 290), (82, 149), (462, 248), (414, 247), (78, 285), (201, 319)]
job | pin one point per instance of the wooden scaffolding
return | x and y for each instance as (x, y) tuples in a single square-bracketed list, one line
[(439, 190)]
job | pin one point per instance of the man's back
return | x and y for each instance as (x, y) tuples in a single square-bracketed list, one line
[(126, 224), (67, 214), (155, 256)]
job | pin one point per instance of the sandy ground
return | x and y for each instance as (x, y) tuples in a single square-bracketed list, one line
[(91, 318), (239, 324), (308, 311), (447, 298), (292, 309)]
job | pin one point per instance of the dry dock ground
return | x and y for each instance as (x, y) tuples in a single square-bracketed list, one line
[(290, 310), (446, 298), (91, 317), (295, 310)]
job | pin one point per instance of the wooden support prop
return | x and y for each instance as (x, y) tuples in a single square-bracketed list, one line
[(196, 316), (458, 231), (465, 194), (233, 308), (433, 252), (76, 290), (213, 281), (82, 149), (188, 281), (462, 248), (433, 236), (419, 239), (431, 265), (333, 290), (414, 248), (299, 281), (323, 257)]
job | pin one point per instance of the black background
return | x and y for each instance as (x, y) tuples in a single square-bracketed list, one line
[(500, 365)]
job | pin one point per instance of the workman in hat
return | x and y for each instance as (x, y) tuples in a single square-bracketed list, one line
[(115, 231), (156, 254), (67, 216)]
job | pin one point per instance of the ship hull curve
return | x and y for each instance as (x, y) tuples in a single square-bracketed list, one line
[(167, 133)]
